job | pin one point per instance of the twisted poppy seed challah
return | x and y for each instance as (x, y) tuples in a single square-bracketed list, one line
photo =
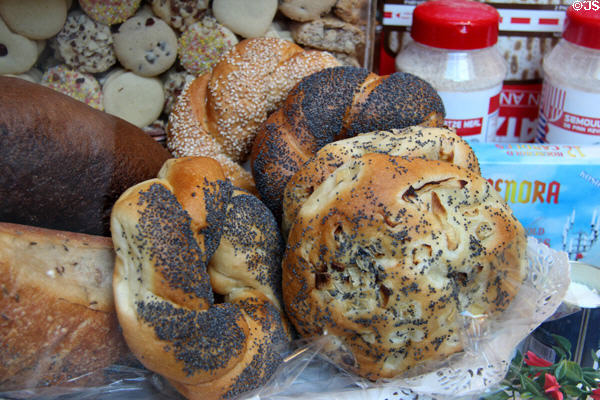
[(218, 114), (390, 256), (181, 239), (415, 141), (333, 104)]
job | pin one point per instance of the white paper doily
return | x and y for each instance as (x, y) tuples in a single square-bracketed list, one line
[(483, 363)]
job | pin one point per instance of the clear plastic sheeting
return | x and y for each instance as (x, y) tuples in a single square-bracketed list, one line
[(309, 372)]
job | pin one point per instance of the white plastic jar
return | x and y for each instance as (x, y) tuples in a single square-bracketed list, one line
[(453, 48), (570, 102)]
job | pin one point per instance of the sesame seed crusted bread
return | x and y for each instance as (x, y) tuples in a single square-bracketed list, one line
[(388, 254), (220, 112), (182, 239), (334, 104), (416, 141)]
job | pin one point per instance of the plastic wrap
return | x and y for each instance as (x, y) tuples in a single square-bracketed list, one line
[(307, 373)]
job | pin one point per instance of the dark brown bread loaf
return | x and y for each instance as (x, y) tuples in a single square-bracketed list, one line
[(62, 163)]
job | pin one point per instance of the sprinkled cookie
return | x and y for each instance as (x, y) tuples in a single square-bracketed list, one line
[(85, 44), (246, 18), (137, 99), (17, 53), (203, 43), (174, 81), (145, 45), (33, 18), (81, 86), (180, 14), (110, 12)]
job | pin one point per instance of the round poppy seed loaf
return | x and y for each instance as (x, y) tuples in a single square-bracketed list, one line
[(391, 257)]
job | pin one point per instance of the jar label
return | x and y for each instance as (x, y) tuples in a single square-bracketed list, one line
[(519, 109), (473, 114), (568, 115)]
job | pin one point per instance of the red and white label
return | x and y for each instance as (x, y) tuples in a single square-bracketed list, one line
[(473, 114), (526, 19), (568, 115), (519, 107)]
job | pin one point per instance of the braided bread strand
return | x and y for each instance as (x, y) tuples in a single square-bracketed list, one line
[(179, 243), (333, 104), (219, 113)]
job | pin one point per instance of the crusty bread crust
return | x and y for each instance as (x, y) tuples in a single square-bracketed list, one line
[(416, 141), (58, 320), (389, 253)]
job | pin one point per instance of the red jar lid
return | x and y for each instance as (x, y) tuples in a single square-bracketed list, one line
[(455, 24), (582, 24)]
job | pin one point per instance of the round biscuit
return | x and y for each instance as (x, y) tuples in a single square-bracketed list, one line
[(34, 19), (78, 85), (145, 45), (17, 53), (136, 99)]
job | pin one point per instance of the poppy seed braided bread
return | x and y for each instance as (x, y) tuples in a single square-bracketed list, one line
[(333, 104)]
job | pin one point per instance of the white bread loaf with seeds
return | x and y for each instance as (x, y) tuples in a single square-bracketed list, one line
[(218, 114), (391, 256), (57, 316), (181, 240)]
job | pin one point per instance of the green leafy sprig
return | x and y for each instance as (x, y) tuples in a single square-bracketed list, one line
[(532, 377)]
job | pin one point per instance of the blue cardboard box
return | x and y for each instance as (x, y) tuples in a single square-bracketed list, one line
[(553, 190)]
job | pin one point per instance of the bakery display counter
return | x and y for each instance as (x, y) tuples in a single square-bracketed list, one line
[(226, 199)]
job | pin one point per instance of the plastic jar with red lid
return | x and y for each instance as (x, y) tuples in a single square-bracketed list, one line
[(570, 101), (453, 47)]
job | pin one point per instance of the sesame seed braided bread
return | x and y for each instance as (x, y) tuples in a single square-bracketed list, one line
[(184, 241), (218, 114), (334, 104), (389, 256), (415, 141)]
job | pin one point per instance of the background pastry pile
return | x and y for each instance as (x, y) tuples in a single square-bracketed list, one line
[(131, 58)]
